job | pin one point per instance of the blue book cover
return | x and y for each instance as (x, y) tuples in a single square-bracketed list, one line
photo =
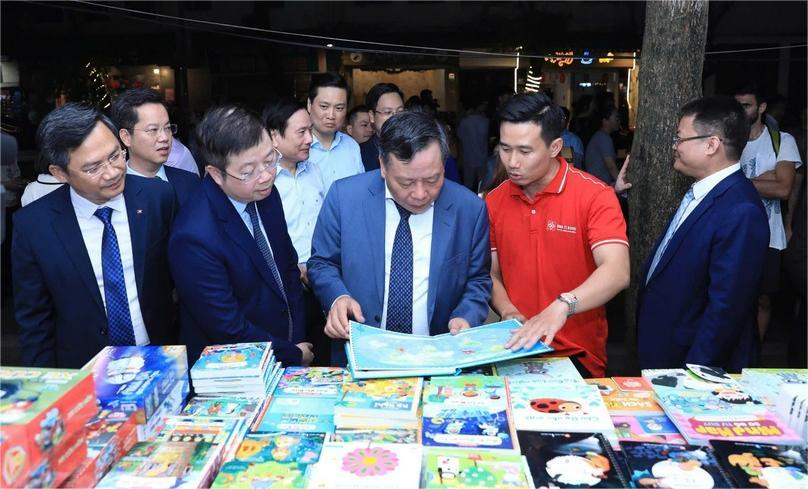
[(311, 381), (241, 359), (283, 446), (469, 411), (373, 349), (296, 422)]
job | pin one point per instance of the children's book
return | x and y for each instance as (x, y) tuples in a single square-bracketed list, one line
[(553, 407), (366, 465), (377, 435), (648, 427), (703, 410), (764, 383), (626, 402), (571, 460), (224, 407), (240, 360), (311, 381), (277, 475), (473, 468), (762, 465), (297, 422), (376, 353), (380, 401), (543, 369), (674, 466), (468, 411), (287, 447)]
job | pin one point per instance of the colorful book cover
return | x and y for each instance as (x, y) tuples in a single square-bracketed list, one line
[(625, 402), (235, 360), (373, 349), (297, 422), (764, 383), (471, 468), (543, 369), (378, 435), (553, 407), (311, 381), (366, 465), (674, 466), (164, 464), (571, 460), (467, 411), (705, 410), (762, 465), (223, 407), (287, 447), (650, 428), (243, 475), (629, 384), (386, 399)]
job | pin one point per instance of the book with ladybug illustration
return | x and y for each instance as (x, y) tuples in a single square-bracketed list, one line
[(559, 407)]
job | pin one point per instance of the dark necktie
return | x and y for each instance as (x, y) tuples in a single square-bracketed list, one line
[(119, 319), (399, 297), (263, 247)]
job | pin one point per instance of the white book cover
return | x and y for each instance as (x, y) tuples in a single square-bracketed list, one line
[(367, 465), (558, 407)]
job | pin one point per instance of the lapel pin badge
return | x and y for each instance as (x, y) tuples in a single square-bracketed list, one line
[(139, 211)]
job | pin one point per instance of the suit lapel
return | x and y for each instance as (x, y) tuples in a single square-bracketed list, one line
[(66, 227), (443, 231), (374, 208), (136, 212)]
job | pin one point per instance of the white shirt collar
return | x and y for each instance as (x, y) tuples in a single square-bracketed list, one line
[(703, 186), (85, 209), (389, 196), (161, 173)]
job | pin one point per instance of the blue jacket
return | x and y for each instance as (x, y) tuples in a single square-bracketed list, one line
[(700, 305), (58, 304), (348, 253), (226, 290), (184, 183)]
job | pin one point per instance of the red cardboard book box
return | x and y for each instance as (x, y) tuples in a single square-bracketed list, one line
[(42, 418)]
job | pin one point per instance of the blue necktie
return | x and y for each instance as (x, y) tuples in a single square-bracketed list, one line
[(263, 247), (119, 319), (675, 222), (399, 295)]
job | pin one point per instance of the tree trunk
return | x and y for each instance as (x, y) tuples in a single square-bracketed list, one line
[(670, 75)]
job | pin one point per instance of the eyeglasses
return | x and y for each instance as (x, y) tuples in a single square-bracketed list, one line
[(677, 140), (98, 168), (389, 112), (153, 132), (266, 166)]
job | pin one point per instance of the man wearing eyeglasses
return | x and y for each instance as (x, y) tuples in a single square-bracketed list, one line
[(89, 259), (697, 297), (234, 264), (146, 131), (383, 100)]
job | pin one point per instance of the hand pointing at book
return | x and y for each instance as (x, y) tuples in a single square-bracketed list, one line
[(336, 326)]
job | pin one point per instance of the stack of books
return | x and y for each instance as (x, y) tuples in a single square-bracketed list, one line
[(237, 370), (110, 434), (379, 403)]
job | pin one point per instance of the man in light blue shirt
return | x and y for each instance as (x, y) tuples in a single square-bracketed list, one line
[(335, 153)]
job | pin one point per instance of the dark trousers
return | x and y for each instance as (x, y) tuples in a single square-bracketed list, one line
[(315, 334)]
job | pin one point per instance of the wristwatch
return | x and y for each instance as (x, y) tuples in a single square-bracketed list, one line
[(570, 300)]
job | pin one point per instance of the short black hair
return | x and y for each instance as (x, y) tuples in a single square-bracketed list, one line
[(227, 130), (276, 114), (536, 108), (124, 107), (406, 133), (65, 129), (322, 80), (379, 89), (356, 110), (751, 88), (723, 117)]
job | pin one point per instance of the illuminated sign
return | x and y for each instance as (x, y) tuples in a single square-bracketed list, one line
[(561, 58), (608, 59), (585, 60)]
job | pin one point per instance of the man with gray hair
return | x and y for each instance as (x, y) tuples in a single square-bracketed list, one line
[(400, 248)]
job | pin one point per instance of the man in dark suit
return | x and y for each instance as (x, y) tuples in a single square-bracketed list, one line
[(146, 131), (230, 253), (89, 259), (697, 299), (400, 248)]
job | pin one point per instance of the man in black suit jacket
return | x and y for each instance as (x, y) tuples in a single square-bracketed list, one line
[(89, 260), (146, 131)]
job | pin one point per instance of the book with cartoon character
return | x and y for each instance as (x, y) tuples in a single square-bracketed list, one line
[(379, 402), (312, 381), (571, 460), (366, 465), (675, 466), (294, 447), (224, 407), (553, 407), (376, 353), (235, 360), (762, 465), (648, 427), (543, 369), (472, 468), (626, 402), (764, 383), (468, 411), (243, 475), (704, 410)]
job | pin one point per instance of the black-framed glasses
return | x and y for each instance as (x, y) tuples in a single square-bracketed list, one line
[(246, 177), (677, 140), (153, 132)]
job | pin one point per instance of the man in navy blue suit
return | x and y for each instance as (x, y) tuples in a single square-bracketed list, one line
[(89, 260), (399, 247), (231, 255), (146, 131), (697, 298)]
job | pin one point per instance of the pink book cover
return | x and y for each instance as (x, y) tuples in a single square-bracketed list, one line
[(632, 384), (754, 428)]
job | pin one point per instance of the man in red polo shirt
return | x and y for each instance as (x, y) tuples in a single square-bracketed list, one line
[(558, 239)]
